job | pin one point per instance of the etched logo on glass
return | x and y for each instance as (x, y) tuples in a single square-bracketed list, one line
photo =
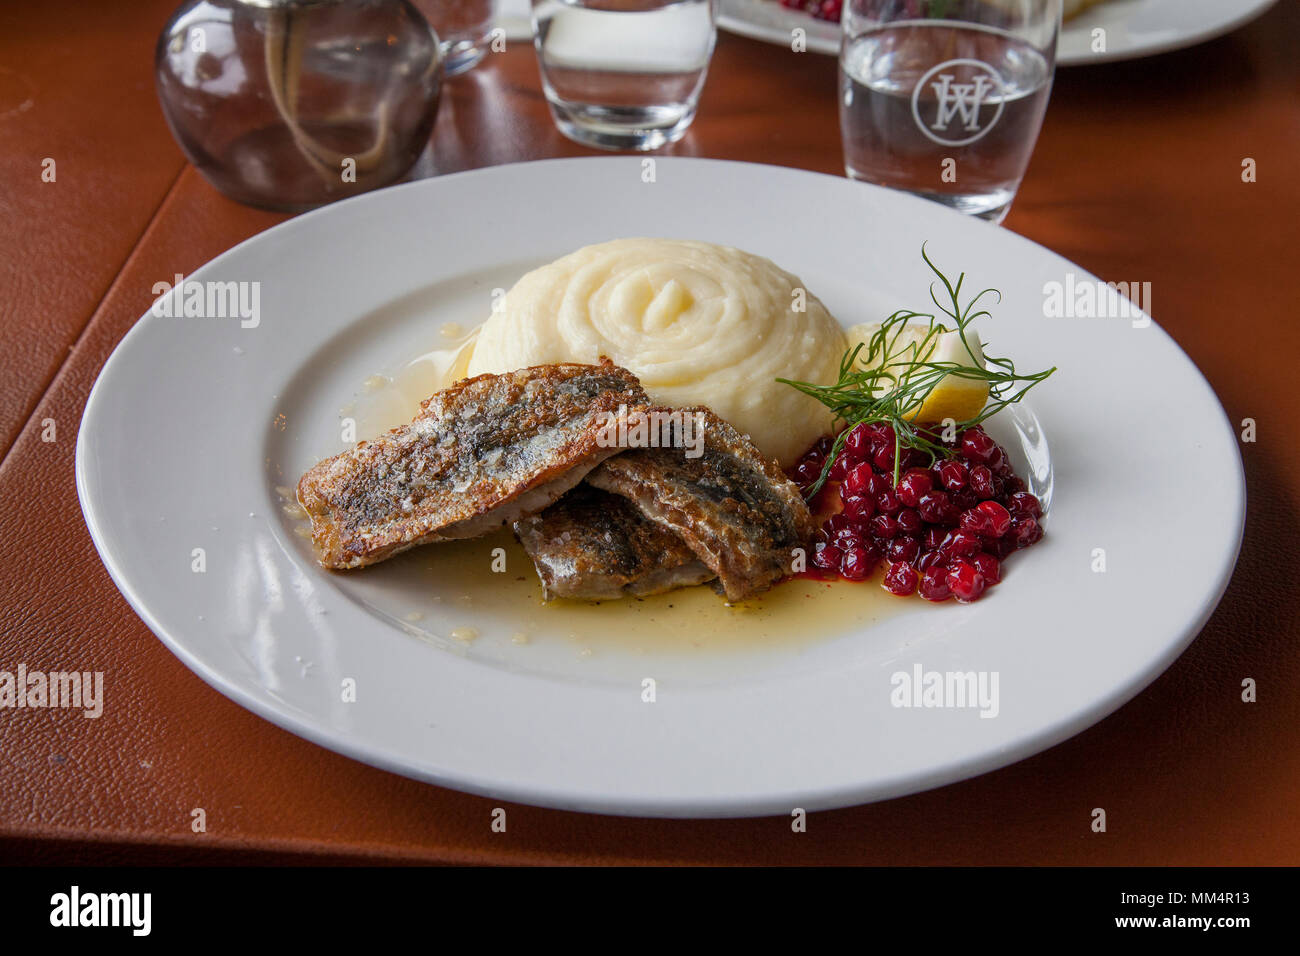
[(958, 101)]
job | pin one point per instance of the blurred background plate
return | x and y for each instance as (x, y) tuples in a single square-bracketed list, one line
[(1134, 28)]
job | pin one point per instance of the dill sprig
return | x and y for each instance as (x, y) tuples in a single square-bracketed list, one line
[(895, 377)]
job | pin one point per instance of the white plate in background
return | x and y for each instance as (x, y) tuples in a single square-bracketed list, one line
[(1134, 28)]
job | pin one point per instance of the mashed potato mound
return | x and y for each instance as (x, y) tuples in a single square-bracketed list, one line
[(699, 324)]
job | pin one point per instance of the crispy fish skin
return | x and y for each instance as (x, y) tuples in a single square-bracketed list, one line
[(734, 508), (480, 454), (597, 546)]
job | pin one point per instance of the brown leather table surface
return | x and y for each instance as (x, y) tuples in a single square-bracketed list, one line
[(1137, 176)]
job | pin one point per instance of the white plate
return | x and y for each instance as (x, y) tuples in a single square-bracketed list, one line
[(1138, 28), (1134, 28), (770, 22), (193, 424)]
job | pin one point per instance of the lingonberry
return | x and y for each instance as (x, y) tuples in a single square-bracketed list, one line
[(976, 446), (883, 527), (964, 580), (807, 471), (856, 564), (962, 544), (914, 483), (983, 483), (858, 480), (847, 540), (953, 475), (909, 520), (1023, 504), (1000, 463), (901, 579), (859, 506), (976, 522), (835, 524), (827, 556), (1026, 531), (989, 566), (998, 519), (928, 559), (857, 444), (935, 507), (883, 457), (933, 585), (881, 433), (903, 548), (933, 537)]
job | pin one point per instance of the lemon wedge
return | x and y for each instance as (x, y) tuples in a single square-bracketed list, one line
[(957, 398)]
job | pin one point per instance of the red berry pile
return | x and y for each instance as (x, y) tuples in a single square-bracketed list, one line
[(944, 529), (821, 9)]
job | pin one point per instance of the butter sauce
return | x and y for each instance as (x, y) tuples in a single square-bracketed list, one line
[(506, 603), (386, 403)]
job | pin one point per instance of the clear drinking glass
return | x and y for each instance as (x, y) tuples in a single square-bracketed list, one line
[(944, 98), (464, 27), (623, 74)]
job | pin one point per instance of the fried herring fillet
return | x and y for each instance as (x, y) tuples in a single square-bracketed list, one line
[(734, 508), (480, 454), (594, 545)]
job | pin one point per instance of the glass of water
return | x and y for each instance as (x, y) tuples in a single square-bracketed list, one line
[(464, 28), (944, 98), (623, 74)]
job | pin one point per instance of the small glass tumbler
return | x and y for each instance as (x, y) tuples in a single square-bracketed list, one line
[(623, 74), (288, 104), (945, 98), (465, 28)]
